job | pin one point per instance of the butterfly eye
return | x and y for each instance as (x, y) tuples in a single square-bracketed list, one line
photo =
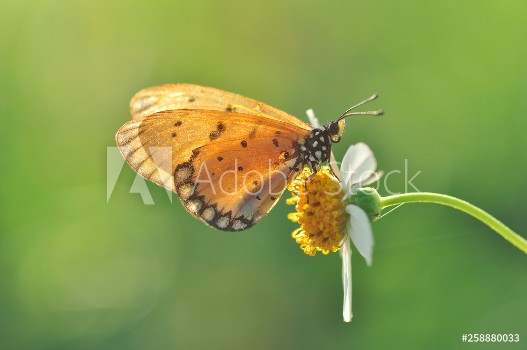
[(335, 138), (334, 128)]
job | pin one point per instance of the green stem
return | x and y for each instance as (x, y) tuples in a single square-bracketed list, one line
[(481, 215)]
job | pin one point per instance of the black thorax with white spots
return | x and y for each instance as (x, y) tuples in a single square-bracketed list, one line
[(316, 148)]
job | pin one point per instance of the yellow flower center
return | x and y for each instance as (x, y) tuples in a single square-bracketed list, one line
[(319, 211)]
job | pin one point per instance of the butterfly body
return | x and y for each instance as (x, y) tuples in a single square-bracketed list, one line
[(229, 158), (316, 148)]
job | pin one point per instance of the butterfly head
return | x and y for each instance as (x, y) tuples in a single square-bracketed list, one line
[(336, 129)]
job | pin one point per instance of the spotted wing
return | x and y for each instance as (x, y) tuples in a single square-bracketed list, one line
[(189, 96), (228, 168)]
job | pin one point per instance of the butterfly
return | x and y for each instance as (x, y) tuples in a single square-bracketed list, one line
[(228, 157)]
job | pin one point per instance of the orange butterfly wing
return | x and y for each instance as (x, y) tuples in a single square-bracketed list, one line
[(189, 96), (228, 168)]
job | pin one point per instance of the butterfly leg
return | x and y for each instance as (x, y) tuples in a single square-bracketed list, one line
[(333, 172), (307, 179)]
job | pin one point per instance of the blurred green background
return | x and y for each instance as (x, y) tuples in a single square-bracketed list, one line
[(80, 273)]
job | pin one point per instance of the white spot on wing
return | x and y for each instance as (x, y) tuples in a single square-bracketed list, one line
[(194, 206), (239, 225), (186, 190), (182, 174), (208, 214), (223, 222)]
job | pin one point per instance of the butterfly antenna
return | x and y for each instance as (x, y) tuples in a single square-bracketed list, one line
[(349, 112)]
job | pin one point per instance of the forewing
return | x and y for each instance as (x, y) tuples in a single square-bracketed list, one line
[(189, 96), (229, 169)]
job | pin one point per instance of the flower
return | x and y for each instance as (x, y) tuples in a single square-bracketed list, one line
[(319, 210), (327, 212), (332, 212)]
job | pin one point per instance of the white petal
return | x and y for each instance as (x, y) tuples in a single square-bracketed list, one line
[(312, 119), (359, 230), (358, 164), (374, 177), (334, 165), (345, 254)]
